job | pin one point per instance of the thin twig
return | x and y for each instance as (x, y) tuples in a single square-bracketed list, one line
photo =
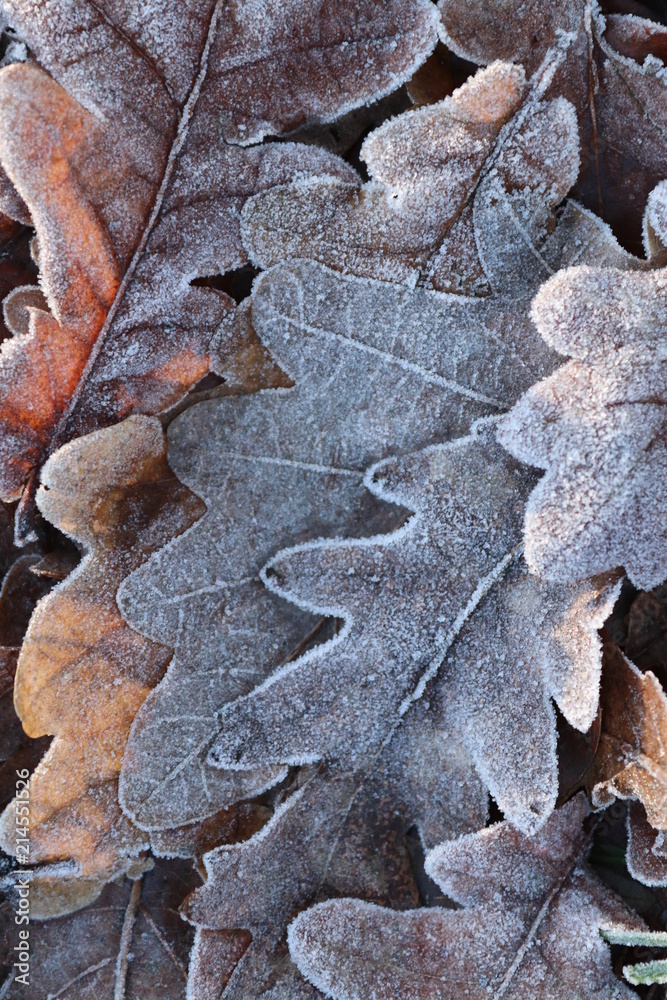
[(126, 939)]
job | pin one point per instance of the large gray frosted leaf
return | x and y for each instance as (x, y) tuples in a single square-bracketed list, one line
[(377, 370), (529, 927), (445, 598), (597, 425)]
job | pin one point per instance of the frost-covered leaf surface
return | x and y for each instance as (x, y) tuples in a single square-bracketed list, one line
[(129, 144), (332, 620), (446, 597), (376, 370), (82, 673), (337, 833), (613, 74), (597, 425), (438, 685), (131, 943), (436, 172), (529, 926)]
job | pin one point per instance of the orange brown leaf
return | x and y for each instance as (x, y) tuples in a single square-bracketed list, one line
[(83, 673), (132, 149)]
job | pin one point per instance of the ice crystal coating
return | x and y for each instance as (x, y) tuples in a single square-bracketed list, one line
[(646, 856), (349, 832), (445, 598), (530, 925), (125, 157), (436, 613), (435, 172), (377, 370), (611, 71), (598, 426)]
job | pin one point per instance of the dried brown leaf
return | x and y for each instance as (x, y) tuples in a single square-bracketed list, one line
[(646, 855), (130, 148), (631, 761), (82, 673)]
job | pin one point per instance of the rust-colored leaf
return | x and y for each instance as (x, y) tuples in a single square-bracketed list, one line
[(631, 762), (129, 140)]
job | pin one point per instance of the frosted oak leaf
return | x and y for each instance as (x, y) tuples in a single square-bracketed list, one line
[(444, 599), (612, 73), (598, 427), (529, 926), (375, 370), (114, 493), (631, 759), (134, 144), (424, 216)]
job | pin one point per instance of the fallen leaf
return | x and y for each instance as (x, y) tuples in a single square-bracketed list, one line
[(445, 666), (214, 957), (130, 944), (597, 425), (349, 834), (21, 590), (438, 172), (374, 370), (129, 146), (646, 853), (631, 760), (530, 925), (82, 673), (612, 73), (445, 598)]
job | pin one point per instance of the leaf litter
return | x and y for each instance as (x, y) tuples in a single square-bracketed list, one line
[(529, 926), (446, 640), (410, 367), (440, 680)]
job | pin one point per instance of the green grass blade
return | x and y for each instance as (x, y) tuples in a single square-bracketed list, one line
[(646, 973), (635, 939)]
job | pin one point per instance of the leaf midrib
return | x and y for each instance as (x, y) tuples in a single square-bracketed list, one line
[(59, 435)]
